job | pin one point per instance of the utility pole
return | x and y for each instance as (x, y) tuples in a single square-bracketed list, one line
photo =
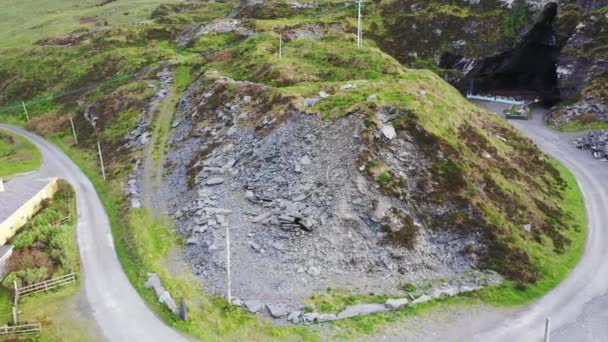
[(547, 329), (27, 115), (359, 30), (73, 130), (228, 280), (280, 45), (103, 170)]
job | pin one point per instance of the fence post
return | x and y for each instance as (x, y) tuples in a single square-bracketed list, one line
[(16, 290)]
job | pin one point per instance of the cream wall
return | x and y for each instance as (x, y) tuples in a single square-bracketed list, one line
[(19, 218)]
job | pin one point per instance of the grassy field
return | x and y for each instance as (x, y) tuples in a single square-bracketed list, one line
[(23, 22), (60, 313), (17, 154)]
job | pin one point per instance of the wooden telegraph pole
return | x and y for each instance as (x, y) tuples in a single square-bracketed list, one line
[(280, 45), (359, 30), (103, 170), (27, 115), (228, 279), (73, 130)]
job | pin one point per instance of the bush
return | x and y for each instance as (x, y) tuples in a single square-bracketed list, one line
[(25, 277), (29, 258), (63, 249)]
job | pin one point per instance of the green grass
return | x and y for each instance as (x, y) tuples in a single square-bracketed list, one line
[(60, 315), (122, 125), (554, 267), (577, 126), (17, 154), (183, 77), (23, 22)]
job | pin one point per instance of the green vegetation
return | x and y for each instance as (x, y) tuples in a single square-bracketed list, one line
[(518, 17), (25, 22), (61, 316), (577, 126), (497, 180), (17, 154), (143, 244), (123, 124), (554, 266), (46, 247), (183, 77), (369, 324)]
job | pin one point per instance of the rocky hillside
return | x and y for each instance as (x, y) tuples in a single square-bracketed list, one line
[(330, 165)]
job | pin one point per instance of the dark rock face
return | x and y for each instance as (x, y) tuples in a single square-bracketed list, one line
[(585, 54), (528, 68)]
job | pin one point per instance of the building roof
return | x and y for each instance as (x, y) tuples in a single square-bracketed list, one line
[(17, 192)]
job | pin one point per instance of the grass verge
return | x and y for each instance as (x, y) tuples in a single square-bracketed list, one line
[(577, 126), (554, 267), (17, 154)]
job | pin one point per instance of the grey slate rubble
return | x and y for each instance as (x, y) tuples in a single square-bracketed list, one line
[(596, 108), (596, 143), (277, 310), (161, 293), (302, 213), (253, 305), (361, 310), (188, 35)]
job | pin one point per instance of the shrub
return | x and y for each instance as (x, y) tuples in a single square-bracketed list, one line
[(29, 258), (62, 248), (25, 277)]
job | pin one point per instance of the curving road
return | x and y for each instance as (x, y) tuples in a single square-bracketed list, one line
[(577, 307), (119, 311)]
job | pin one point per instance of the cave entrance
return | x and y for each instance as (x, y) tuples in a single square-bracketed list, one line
[(526, 71)]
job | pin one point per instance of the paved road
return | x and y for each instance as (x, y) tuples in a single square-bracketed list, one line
[(578, 306), (118, 310)]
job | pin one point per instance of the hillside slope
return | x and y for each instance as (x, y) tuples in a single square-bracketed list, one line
[(332, 166)]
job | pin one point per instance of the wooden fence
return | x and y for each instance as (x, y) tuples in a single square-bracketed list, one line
[(21, 329), (44, 286)]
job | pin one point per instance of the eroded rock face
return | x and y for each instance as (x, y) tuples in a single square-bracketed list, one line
[(304, 213), (188, 35), (584, 56)]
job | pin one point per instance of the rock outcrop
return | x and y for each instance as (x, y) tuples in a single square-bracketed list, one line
[(596, 143)]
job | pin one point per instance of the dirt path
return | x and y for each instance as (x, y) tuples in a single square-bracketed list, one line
[(154, 154)]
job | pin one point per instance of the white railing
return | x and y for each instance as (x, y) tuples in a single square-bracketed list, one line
[(21, 329), (501, 99), (45, 285)]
